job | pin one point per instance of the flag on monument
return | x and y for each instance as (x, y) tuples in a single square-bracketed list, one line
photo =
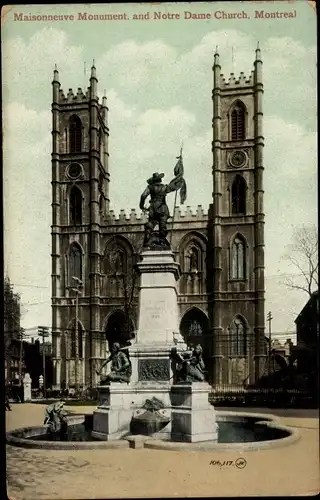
[(179, 181)]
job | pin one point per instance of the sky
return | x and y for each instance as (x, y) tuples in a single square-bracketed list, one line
[(157, 75)]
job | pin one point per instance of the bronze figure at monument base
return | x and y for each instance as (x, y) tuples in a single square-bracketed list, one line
[(190, 366), (121, 369)]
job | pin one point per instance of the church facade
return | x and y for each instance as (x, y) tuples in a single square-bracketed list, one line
[(220, 248)]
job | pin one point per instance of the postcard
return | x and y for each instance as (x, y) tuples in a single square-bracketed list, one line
[(160, 249)]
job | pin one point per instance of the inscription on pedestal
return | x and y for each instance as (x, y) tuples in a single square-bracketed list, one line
[(154, 369), (154, 311)]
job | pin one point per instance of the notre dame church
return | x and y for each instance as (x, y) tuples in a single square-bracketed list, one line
[(220, 248)]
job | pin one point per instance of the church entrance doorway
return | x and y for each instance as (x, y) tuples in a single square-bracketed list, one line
[(119, 329), (193, 327)]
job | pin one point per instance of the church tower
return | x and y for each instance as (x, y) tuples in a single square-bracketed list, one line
[(80, 199), (236, 228)]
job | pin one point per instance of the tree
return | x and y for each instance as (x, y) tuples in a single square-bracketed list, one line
[(121, 269), (11, 319), (303, 256)]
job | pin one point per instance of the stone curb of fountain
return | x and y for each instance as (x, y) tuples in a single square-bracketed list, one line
[(73, 418), (141, 441), (270, 421), (26, 442)]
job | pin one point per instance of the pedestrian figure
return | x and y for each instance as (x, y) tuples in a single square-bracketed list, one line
[(7, 403)]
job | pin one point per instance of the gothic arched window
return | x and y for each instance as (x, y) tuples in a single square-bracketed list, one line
[(120, 328), (75, 134), (75, 206), (238, 259), (75, 262), (238, 195), (238, 123), (194, 324), (74, 348), (238, 337)]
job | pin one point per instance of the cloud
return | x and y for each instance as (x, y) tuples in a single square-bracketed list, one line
[(132, 64), (290, 182), (154, 69), (149, 142), (159, 97), (28, 66), (27, 192)]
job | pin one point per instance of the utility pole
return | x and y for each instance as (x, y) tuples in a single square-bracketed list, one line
[(77, 289), (43, 331), (269, 319), (21, 335)]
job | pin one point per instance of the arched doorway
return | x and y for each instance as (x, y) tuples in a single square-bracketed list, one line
[(119, 329), (193, 327)]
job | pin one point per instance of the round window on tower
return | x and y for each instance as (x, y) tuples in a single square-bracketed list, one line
[(74, 170), (238, 159)]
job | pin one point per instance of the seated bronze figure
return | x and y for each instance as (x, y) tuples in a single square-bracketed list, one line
[(121, 369), (190, 366)]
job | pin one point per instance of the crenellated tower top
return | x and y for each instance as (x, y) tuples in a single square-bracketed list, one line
[(234, 82), (200, 214), (80, 96)]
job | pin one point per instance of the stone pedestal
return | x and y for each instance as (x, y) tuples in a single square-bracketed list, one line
[(27, 387), (158, 329), (118, 403), (193, 418), (158, 306), (111, 420), (158, 332)]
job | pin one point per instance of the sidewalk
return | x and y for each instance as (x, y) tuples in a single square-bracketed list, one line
[(127, 473)]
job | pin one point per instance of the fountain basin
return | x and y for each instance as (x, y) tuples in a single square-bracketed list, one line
[(236, 431)]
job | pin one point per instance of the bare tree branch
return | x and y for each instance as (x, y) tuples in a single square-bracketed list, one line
[(303, 255), (125, 274)]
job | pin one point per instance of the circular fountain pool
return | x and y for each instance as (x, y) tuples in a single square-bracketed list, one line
[(235, 431)]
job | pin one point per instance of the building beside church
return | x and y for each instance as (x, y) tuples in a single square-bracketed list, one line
[(307, 327), (14, 362), (220, 248)]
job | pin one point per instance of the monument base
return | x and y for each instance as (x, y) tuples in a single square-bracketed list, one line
[(119, 403), (193, 419), (186, 406)]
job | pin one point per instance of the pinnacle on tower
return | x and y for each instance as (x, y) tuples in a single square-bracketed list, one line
[(216, 57), (258, 52), (55, 74), (93, 70)]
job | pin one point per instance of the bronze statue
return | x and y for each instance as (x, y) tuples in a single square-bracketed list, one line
[(158, 210), (190, 366), (55, 415), (120, 366)]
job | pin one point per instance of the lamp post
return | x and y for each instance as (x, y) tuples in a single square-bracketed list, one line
[(43, 331), (269, 319), (77, 289)]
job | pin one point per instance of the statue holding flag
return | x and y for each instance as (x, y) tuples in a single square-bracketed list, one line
[(158, 210)]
